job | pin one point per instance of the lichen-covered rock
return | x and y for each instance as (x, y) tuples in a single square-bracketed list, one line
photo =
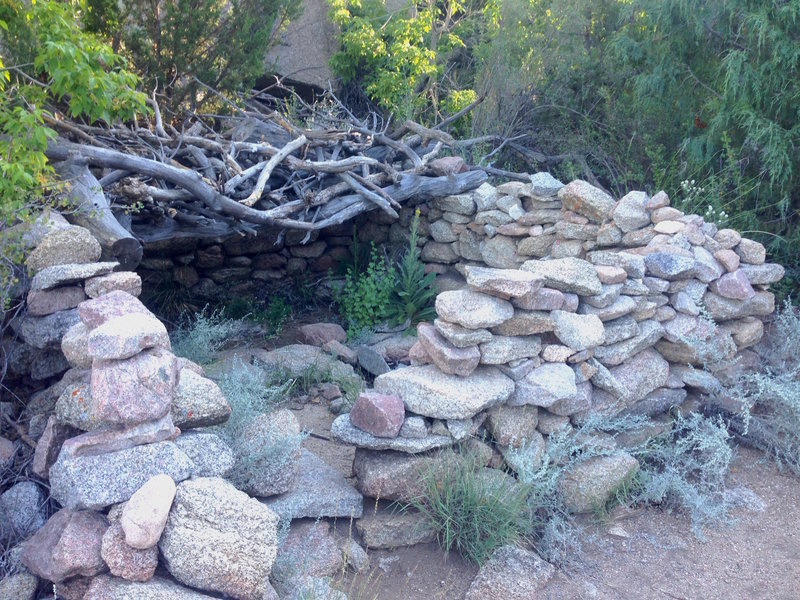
[(588, 485), (512, 425), (472, 310), (219, 539), (511, 573), (198, 402), (501, 283), (566, 274), (504, 349), (429, 392), (344, 431), (66, 245), (125, 561), (57, 275), (126, 281), (583, 198)]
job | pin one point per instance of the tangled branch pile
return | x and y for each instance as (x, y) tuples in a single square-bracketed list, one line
[(260, 169)]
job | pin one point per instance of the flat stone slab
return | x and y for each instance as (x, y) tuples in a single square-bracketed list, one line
[(344, 431), (57, 275), (502, 283), (567, 275), (318, 490), (98, 481), (429, 392)]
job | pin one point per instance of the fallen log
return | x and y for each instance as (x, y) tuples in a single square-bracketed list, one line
[(90, 209)]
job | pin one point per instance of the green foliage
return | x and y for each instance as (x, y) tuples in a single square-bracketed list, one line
[(46, 60), (364, 299), (223, 44), (473, 510), (200, 338), (414, 291), (402, 59)]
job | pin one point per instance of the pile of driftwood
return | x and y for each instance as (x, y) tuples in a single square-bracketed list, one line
[(254, 168)]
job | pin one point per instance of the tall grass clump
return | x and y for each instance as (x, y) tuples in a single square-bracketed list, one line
[(473, 510), (199, 339)]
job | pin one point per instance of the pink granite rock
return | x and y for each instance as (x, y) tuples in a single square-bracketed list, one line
[(418, 356), (123, 337), (379, 414), (47, 302), (49, 445), (110, 439), (125, 281), (68, 545), (126, 561), (145, 514), (98, 310), (735, 286), (134, 390), (7, 451), (448, 165), (543, 299), (317, 334), (340, 351), (728, 259), (448, 358)]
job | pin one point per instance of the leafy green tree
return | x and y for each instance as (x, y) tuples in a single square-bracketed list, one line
[(49, 69), (172, 42)]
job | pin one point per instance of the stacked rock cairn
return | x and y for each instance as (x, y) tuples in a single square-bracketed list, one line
[(148, 507), (571, 305)]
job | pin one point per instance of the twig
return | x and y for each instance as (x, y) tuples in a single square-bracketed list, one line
[(255, 195)]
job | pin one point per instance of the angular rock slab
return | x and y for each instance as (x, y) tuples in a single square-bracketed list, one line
[(545, 385), (583, 198), (68, 545), (67, 245), (47, 331), (125, 561), (429, 392), (209, 453), (126, 281), (447, 357), (219, 539), (395, 475), (134, 390), (123, 337), (472, 310), (511, 573), (344, 431), (504, 349), (579, 332), (57, 275), (381, 415), (318, 491), (588, 485), (566, 274), (105, 587), (98, 481), (198, 402), (501, 283), (117, 303)]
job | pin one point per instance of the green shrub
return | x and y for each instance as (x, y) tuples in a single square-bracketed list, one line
[(413, 293), (472, 512), (199, 339), (364, 299)]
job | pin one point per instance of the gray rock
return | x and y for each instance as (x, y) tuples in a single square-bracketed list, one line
[(724, 309), (64, 245), (414, 427), (105, 587), (581, 401), (607, 296), (658, 402), (20, 586), (219, 539), (198, 402), (545, 385), (502, 283), (442, 232), (57, 275), (123, 337), (395, 475), (47, 331), (633, 264), (428, 392), (504, 349), (472, 310), (526, 458), (371, 361), (526, 322), (620, 329), (579, 332), (75, 346), (297, 360), (344, 431), (566, 274), (544, 184), (763, 274), (641, 374), (462, 204), (318, 491), (615, 354), (511, 573), (500, 252), (439, 253), (459, 336), (98, 481), (126, 281), (630, 212), (47, 302), (588, 485), (583, 198), (308, 550), (22, 510), (670, 266), (619, 308), (394, 529), (210, 455)]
